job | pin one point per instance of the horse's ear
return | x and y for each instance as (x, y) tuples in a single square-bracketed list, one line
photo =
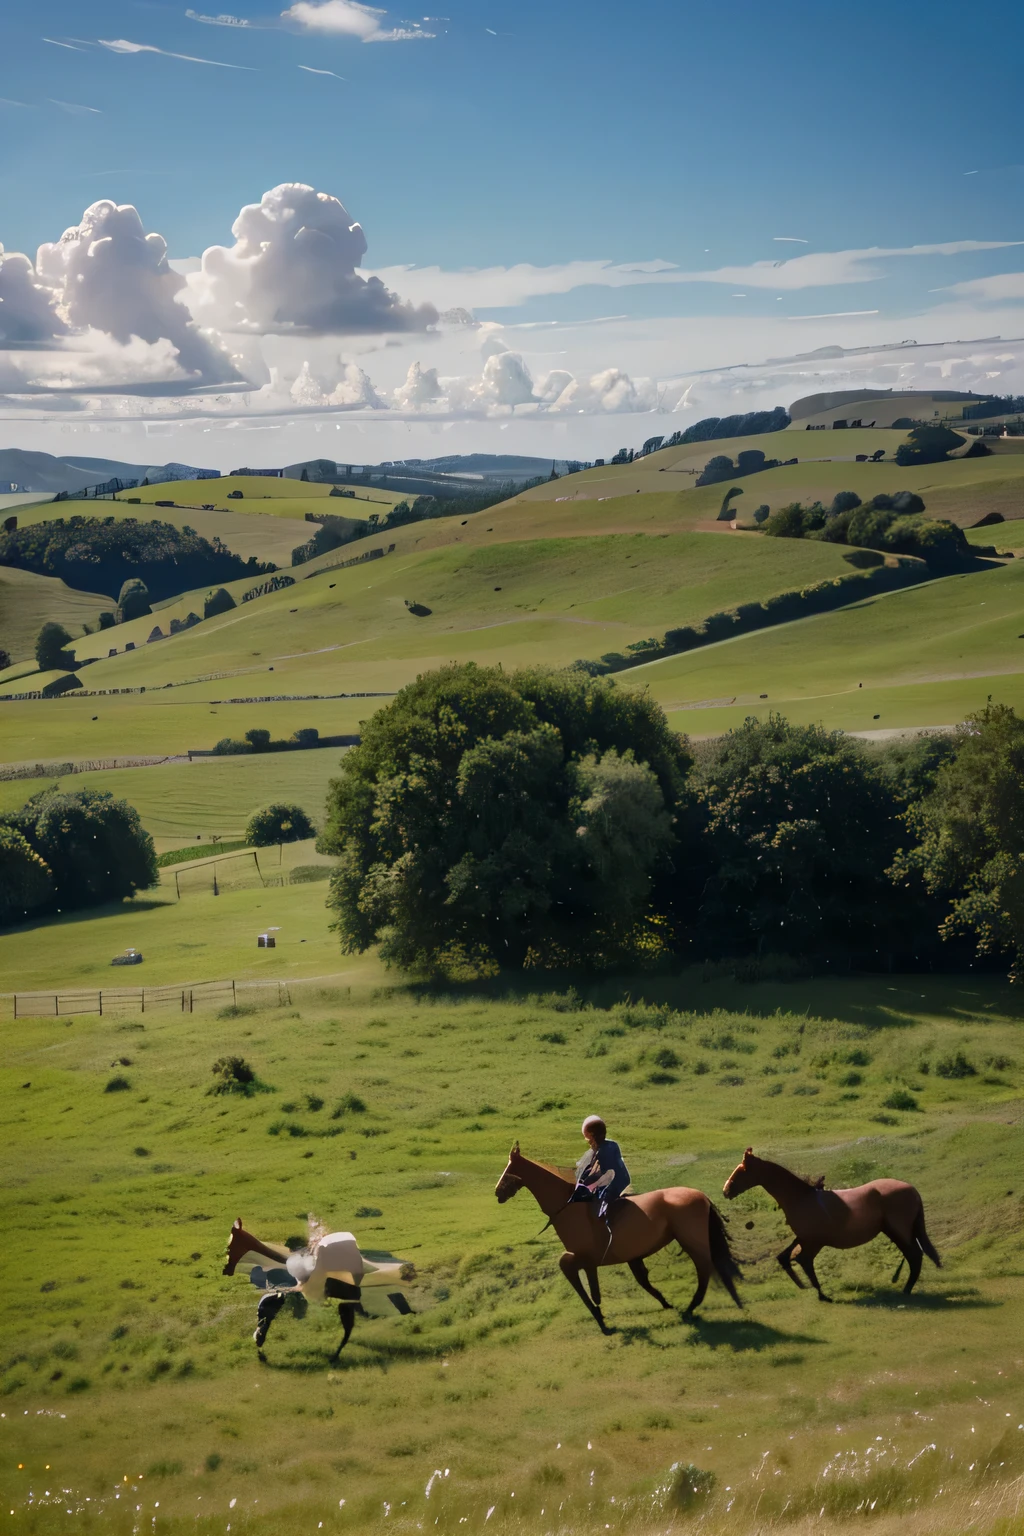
[(748, 1154), (514, 1152)]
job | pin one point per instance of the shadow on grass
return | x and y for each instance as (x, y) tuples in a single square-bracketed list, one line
[(743, 1335), (359, 1355), (965, 1298)]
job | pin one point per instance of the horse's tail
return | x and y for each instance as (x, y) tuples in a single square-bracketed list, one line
[(924, 1241), (722, 1256)]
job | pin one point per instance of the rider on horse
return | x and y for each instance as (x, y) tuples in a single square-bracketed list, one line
[(601, 1173)]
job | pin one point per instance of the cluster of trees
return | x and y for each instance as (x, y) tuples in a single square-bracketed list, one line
[(278, 823), (258, 740), (891, 524), (749, 462), (545, 818), (931, 445), (95, 554), (747, 424), (65, 850)]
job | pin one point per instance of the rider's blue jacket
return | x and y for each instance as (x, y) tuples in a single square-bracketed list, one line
[(604, 1169)]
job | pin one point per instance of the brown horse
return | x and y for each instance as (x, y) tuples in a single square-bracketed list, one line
[(838, 1218), (640, 1225)]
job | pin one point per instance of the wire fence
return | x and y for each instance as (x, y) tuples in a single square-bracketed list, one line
[(174, 999)]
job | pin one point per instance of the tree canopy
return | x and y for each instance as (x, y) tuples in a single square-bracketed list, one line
[(91, 848), (493, 818)]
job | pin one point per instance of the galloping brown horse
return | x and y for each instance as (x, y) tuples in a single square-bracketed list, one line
[(838, 1218), (640, 1226)]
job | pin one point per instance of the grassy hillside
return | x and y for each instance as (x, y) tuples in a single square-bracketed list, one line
[(275, 498), (28, 601), (132, 1367), (537, 602), (179, 802), (924, 656), (250, 533)]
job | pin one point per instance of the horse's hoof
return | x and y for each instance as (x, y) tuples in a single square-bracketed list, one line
[(823, 1297)]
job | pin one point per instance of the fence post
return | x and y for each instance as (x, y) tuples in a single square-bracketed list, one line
[(56, 1006), (15, 1005), (101, 1002), (234, 996), (143, 991)]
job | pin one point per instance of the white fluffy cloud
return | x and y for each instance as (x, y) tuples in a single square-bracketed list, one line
[(611, 390), (27, 310), (506, 383), (348, 18), (421, 387), (293, 268), (342, 385), (109, 274)]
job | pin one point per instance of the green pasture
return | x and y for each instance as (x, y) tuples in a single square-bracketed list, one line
[(135, 725), (276, 498), (209, 797), (537, 601), (28, 601), (132, 1393), (945, 646)]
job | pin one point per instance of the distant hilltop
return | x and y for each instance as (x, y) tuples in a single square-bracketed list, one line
[(885, 407), (37, 472)]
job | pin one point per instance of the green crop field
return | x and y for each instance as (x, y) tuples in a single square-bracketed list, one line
[(209, 797), (132, 1395)]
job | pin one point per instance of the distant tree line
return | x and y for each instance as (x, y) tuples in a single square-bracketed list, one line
[(258, 740), (67, 850), (548, 819), (748, 424), (95, 554)]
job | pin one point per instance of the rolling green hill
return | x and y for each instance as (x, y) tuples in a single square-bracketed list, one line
[(274, 498), (28, 601)]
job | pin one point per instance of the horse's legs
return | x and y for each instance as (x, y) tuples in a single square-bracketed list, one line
[(347, 1314), (638, 1269), (269, 1306), (806, 1259), (571, 1270), (594, 1283), (703, 1268), (908, 1247), (785, 1258)]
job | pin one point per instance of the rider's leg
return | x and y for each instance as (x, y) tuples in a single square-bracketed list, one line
[(269, 1306)]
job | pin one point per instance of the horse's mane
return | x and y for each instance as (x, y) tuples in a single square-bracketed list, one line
[(568, 1174)]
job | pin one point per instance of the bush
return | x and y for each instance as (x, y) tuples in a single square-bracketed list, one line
[(133, 600), (955, 1065), (233, 1074), (928, 445), (278, 823), (218, 601), (5, 658), (117, 1085), (50, 652), (689, 1485), (900, 1098), (107, 620)]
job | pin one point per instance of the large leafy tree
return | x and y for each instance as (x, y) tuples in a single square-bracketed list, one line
[(801, 829), (489, 816), (50, 647), (970, 832), (94, 846), (25, 880)]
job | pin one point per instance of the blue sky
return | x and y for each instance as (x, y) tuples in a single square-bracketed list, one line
[(537, 141)]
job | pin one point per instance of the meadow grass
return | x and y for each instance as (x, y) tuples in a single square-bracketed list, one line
[(132, 1396), (940, 649), (276, 498), (28, 601), (181, 802)]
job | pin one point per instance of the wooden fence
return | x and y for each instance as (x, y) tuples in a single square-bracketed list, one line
[(110, 1000)]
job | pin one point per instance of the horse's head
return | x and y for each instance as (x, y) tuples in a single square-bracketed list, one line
[(743, 1177), (510, 1182)]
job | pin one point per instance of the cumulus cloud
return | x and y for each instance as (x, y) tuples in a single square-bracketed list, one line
[(94, 359), (27, 310), (293, 268), (608, 391), (109, 274), (348, 18), (342, 385), (421, 387), (506, 384)]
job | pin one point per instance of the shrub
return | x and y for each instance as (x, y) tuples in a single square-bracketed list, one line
[(351, 1104), (107, 620), (50, 652), (278, 823), (955, 1065), (117, 1085), (133, 600), (689, 1485), (217, 601), (900, 1098), (233, 1074)]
